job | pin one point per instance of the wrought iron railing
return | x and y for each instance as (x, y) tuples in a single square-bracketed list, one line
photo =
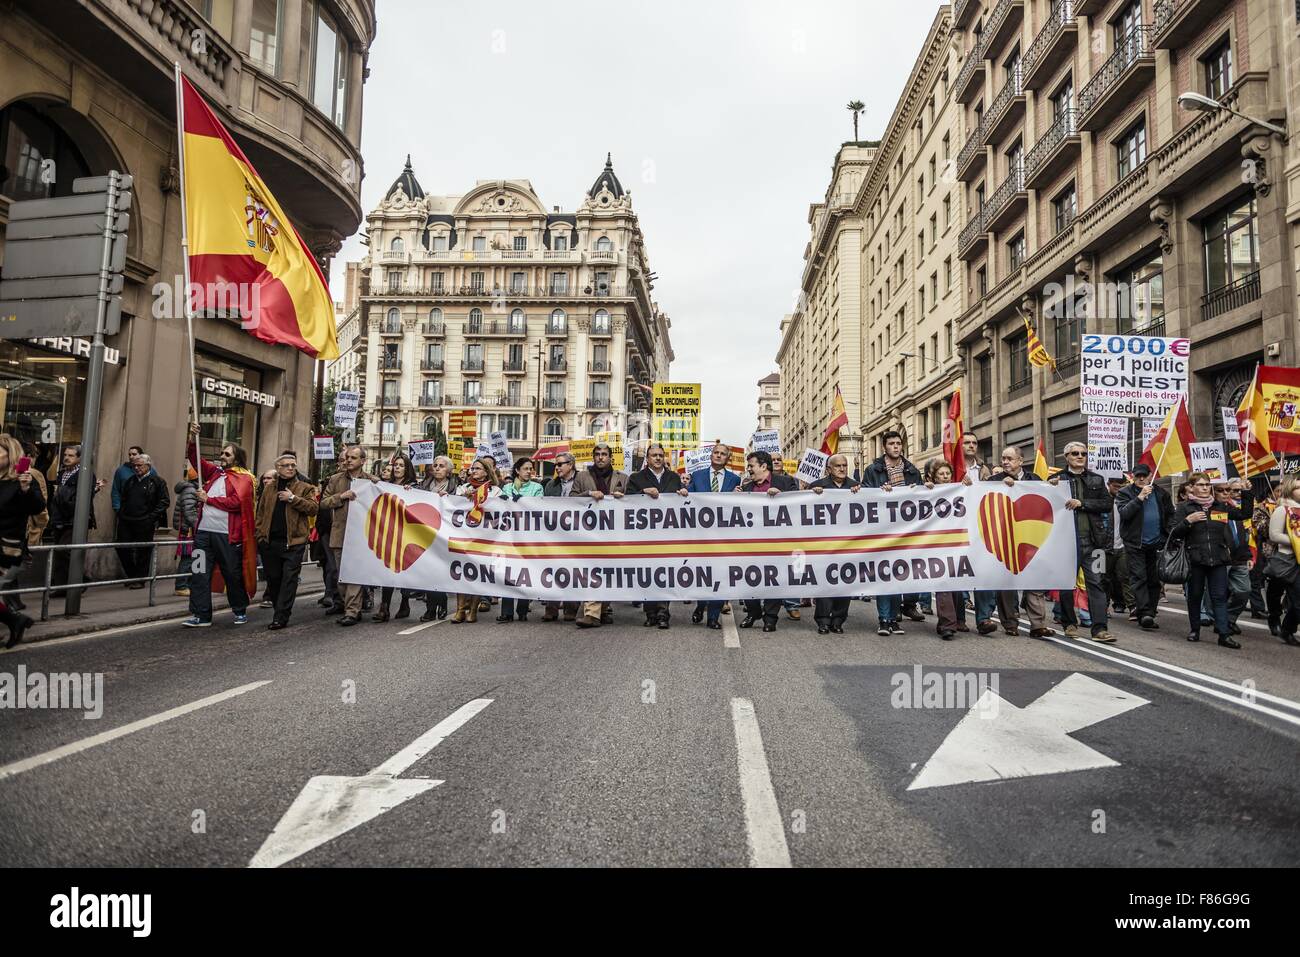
[(1063, 126), (1057, 19), (1229, 297), (1136, 43)]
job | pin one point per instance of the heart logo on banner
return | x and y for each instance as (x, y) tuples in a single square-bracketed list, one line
[(399, 533), (1014, 530)]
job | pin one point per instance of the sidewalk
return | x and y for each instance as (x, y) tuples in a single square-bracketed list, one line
[(111, 606)]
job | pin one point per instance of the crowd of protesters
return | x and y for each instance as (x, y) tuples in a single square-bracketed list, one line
[(1241, 549)]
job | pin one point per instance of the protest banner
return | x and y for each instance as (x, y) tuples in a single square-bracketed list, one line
[(322, 448), (499, 449), (697, 459), (812, 467), (345, 409), (422, 452), (675, 415), (615, 442), (795, 545), (791, 466), (1208, 457), (1230, 430), (768, 441), (1149, 429), (581, 450), (1108, 430), (1139, 376), (736, 461), (455, 449), (1107, 459)]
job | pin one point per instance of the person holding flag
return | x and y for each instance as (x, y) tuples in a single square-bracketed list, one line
[(1146, 516), (225, 538)]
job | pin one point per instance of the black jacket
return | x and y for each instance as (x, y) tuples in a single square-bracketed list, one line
[(828, 482), (1131, 513), (16, 506), (997, 475), (145, 498), (1210, 542), (1092, 518), (638, 482), (780, 481), (63, 501), (877, 476)]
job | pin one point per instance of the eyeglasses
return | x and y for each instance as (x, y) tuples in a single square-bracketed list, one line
[(1076, 452)]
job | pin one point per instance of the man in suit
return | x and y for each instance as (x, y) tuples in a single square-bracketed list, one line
[(654, 480), (596, 481), (715, 478), (831, 613), (762, 480), (1012, 471)]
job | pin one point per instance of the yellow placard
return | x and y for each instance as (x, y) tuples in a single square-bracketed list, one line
[(582, 450), (455, 449), (675, 414), (791, 466)]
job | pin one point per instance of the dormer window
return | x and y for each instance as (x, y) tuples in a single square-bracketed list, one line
[(603, 245), (560, 243), (396, 245)]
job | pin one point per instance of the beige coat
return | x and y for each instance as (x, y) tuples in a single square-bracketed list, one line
[(330, 498), (584, 484)]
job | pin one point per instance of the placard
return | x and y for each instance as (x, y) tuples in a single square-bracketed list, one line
[(422, 453), (1131, 375), (582, 450), (791, 466), (1108, 459), (499, 449), (1208, 457), (1230, 430), (455, 449), (675, 414), (1149, 429), (812, 467), (1107, 430), (322, 448), (697, 459), (345, 409), (615, 442), (768, 441)]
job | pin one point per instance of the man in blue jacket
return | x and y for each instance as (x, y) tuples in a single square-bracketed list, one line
[(716, 478), (124, 472)]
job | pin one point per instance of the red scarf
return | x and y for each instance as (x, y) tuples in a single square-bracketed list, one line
[(481, 490)]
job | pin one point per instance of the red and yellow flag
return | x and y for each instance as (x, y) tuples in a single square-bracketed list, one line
[(952, 433), (839, 419), (1253, 455), (1038, 354), (1279, 389), (1041, 468), (1170, 451), (244, 254)]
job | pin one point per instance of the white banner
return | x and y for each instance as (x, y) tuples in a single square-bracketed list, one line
[(1108, 460), (1107, 430), (322, 448), (794, 545), (768, 441), (697, 459), (1230, 430), (1208, 457), (345, 409), (1131, 375), (812, 467), (422, 453)]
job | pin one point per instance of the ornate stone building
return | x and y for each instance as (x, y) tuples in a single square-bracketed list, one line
[(769, 402), (542, 321)]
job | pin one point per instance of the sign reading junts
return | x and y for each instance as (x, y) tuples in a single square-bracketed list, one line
[(236, 390)]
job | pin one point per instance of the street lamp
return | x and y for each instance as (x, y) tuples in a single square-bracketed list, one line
[(1206, 104)]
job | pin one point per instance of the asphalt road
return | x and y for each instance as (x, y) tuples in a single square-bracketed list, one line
[(638, 747)]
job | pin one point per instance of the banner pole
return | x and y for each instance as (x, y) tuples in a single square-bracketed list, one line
[(185, 252), (1173, 424)]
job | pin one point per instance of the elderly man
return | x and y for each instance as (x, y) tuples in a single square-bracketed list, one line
[(1090, 504), (716, 478), (831, 613), (561, 486), (337, 497), (1012, 471), (142, 506), (284, 510), (655, 480), (596, 481)]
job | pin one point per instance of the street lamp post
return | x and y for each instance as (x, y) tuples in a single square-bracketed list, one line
[(1205, 104)]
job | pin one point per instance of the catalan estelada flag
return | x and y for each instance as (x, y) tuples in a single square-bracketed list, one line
[(244, 253), (1170, 451), (1038, 354), (839, 419), (952, 433), (1280, 390), (399, 533), (1253, 455), (1041, 468)]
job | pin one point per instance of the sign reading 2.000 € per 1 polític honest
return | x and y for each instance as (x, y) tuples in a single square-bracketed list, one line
[(1133, 376)]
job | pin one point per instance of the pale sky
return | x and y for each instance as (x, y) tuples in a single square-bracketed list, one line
[(723, 118)]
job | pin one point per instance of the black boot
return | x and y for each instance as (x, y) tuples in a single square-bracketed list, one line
[(403, 607), (17, 625), (1227, 642)]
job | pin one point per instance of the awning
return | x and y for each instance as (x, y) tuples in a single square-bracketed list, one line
[(548, 453)]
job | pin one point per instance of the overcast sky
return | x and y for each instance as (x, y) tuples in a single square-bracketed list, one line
[(723, 118)]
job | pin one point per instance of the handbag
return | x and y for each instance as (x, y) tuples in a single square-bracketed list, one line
[(1281, 566), (1172, 566)]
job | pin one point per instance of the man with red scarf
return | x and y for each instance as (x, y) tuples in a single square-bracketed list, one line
[(225, 536)]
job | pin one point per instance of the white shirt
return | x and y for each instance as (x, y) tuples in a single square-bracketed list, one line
[(214, 519)]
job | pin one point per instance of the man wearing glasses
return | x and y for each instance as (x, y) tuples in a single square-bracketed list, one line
[(283, 509), (561, 485), (598, 480), (1090, 503)]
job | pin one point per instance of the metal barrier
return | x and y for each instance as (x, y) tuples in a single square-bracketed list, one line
[(151, 579)]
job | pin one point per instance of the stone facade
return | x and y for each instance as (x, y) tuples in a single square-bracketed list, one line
[(769, 402)]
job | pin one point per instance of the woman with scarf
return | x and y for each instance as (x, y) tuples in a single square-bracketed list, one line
[(523, 486), (401, 472), (440, 479), (1205, 526), (1283, 565), (483, 484)]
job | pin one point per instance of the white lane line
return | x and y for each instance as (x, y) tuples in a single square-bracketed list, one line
[(1241, 622), (730, 636), (764, 829), (120, 630), (426, 742), (26, 764), (1239, 699), (421, 626)]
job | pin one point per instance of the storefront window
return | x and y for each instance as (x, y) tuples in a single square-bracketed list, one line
[(42, 399), (224, 420)]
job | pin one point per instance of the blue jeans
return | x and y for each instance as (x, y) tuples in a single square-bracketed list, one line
[(985, 604), (887, 607)]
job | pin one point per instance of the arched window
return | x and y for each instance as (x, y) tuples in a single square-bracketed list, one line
[(394, 321), (600, 321), (516, 320), (435, 314), (43, 157), (389, 425), (396, 244), (475, 320), (430, 423), (557, 320), (554, 429), (604, 245)]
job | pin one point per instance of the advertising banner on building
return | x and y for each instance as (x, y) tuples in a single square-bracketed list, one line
[(1138, 376), (675, 414), (793, 545)]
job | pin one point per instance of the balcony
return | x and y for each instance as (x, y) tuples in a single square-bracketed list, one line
[(1055, 44), (597, 403), (386, 402), (390, 364), (557, 367), (602, 256), (557, 328), (600, 330), (390, 329), (1118, 81), (1229, 297), (562, 255), (554, 403), (472, 366), (433, 329), (1055, 150), (499, 328), (432, 401), (1178, 22), (1006, 110), (599, 368), (1088, 8), (1003, 23), (1007, 202), (971, 75), (512, 400), (1068, 363), (431, 365), (514, 366), (390, 258), (963, 11), (972, 158), (1020, 386), (973, 237)]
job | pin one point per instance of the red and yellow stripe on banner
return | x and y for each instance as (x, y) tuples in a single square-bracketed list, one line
[(244, 253), (1014, 530), (702, 547), (396, 535)]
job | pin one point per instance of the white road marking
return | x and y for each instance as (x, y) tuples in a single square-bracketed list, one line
[(330, 805), (764, 828), (421, 626), (730, 636), (26, 764), (1241, 622)]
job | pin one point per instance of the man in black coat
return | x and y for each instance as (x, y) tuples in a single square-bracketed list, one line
[(654, 480), (890, 471), (63, 506), (1146, 516), (144, 503), (831, 613), (1090, 502)]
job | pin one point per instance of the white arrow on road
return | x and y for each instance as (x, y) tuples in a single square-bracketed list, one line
[(996, 740), (331, 805)]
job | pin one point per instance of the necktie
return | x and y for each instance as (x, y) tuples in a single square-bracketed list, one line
[(714, 479)]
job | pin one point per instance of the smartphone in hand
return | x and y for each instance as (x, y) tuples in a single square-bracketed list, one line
[(24, 464)]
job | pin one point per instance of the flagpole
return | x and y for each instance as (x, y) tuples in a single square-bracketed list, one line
[(185, 250), (1173, 426), (1244, 448)]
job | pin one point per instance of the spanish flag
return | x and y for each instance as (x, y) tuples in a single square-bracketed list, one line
[(1038, 354), (1041, 468), (244, 253), (952, 434), (1253, 455), (1170, 450), (1279, 388), (839, 419)]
